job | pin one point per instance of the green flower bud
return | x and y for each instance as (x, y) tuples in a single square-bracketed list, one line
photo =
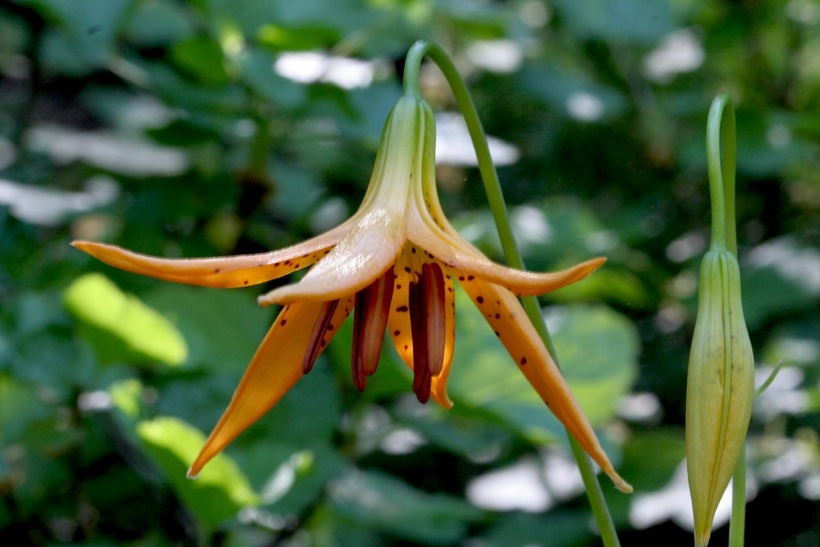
[(720, 388)]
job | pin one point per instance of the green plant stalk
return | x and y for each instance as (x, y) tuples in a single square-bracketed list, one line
[(737, 524), (492, 187)]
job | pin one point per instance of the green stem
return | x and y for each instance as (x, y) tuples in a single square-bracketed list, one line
[(492, 187), (737, 525), (720, 159), (769, 380)]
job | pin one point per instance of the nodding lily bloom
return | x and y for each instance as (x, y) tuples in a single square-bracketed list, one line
[(394, 262)]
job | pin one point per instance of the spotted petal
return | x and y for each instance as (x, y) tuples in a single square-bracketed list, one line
[(457, 253), (222, 272), (275, 368), (506, 316), (357, 261)]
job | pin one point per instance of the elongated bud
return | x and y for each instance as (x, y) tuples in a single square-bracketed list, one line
[(720, 388), (720, 385)]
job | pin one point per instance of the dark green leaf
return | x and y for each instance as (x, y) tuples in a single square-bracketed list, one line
[(381, 502)]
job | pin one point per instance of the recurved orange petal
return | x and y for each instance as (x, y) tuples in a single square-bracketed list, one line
[(457, 253), (506, 316), (222, 272), (274, 369)]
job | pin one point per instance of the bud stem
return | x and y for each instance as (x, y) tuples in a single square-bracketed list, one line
[(720, 159)]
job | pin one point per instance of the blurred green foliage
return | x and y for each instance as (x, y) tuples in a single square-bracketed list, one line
[(214, 127)]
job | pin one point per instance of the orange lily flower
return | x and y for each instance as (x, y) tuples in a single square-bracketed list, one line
[(394, 261)]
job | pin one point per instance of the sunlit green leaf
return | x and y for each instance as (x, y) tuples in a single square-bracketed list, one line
[(220, 491), (120, 327), (126, 396)]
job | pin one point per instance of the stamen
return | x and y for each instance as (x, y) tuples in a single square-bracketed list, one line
[(428, 326), (315, 345), (369, 323)]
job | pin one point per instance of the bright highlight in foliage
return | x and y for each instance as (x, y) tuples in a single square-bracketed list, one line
[(123, 324), (394, 261)]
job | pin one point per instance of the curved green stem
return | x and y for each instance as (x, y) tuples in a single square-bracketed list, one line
[(765, 385), (486, 167), (492, 187), (720, 159)]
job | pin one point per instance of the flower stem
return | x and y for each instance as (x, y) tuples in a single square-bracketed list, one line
[(492, 187)]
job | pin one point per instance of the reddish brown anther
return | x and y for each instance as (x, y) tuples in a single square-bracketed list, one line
[(317, 341), (369, 323), (427, 321)]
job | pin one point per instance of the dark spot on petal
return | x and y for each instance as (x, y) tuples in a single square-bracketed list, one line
[(396, 332), (523, 361), (470, 278), (401, 309), (480, 299), (498, 316), (283, 321)]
